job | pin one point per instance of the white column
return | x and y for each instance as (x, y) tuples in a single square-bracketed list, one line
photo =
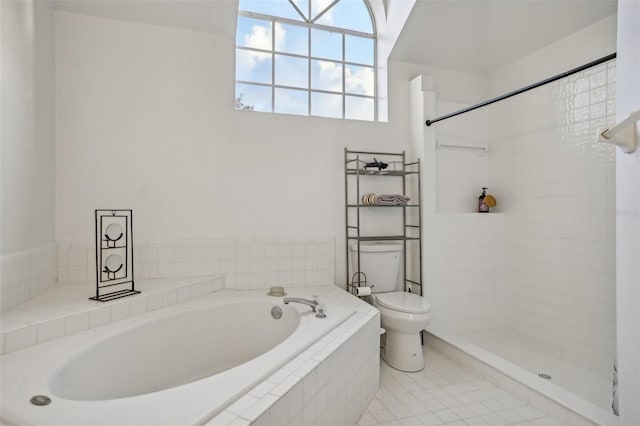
[(628, 217)]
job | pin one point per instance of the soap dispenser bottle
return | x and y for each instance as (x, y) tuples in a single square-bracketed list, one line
[(482, 207)]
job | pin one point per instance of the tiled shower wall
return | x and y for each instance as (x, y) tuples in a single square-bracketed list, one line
[(461, 168), (556, 187), (463, 256), (464, 264), (246, 263)]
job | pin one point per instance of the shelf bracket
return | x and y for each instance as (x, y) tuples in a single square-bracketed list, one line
[(622, 134)]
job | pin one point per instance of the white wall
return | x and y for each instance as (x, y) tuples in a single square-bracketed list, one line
[(27, 126), (579, 48), (628, 216), (27, 151), (556, 187), (389, 18), (145, 120)]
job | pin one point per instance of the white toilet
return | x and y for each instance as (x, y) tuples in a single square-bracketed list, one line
[(403, 315)]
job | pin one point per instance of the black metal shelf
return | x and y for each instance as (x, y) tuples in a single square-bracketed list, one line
[(365, 172)]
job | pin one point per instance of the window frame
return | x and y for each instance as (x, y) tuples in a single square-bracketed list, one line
[(309, 25)]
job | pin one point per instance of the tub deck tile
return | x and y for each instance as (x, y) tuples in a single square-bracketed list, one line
[(287, 384), (260, 406), (242, 405), (262, 389), (223, 419)]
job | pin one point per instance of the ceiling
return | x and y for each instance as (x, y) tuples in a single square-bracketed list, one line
[(481, 35), (211, 16), (473, 35)]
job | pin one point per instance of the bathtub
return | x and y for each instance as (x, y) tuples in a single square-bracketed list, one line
[(181, 365)]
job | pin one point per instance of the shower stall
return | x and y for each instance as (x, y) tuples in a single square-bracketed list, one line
[(532, 283)]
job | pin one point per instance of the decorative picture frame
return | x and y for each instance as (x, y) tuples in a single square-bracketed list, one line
[(114, 254)]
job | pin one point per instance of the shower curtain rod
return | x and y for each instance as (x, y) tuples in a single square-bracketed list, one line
[(526, 88)]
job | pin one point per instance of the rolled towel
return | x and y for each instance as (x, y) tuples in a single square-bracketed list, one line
[(368, 199)]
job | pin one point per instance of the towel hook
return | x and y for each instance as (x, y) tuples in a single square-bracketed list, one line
[(622, 134)]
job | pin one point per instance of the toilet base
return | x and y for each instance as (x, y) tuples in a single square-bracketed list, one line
[(403, 351)]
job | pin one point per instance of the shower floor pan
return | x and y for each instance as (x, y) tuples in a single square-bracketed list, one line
[(579, 389), (582, 382)]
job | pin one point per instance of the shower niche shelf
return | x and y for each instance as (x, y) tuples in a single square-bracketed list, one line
[(402, 178)]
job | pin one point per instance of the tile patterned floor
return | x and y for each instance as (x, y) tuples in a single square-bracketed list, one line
[(445, 393)]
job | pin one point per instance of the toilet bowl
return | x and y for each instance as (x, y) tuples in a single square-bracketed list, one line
[(403, 315)]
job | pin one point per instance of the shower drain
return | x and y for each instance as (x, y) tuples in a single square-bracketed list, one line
[(544, 376)]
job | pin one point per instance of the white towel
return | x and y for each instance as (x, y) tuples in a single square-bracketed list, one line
[(372, 199)]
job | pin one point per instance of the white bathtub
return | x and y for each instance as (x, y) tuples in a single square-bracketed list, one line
[(176, 366)]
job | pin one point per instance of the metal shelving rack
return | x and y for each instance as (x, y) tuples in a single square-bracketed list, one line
[(354, 169)]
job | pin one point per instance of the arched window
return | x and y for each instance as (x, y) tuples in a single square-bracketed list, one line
[(306, 57)]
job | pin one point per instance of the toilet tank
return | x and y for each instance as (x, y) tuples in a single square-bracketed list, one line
[(380, 262)]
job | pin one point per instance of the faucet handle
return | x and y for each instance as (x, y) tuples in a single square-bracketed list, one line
[(321, 311), (315, 298)]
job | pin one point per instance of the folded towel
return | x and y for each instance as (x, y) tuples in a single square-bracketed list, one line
[(372, 199), (377, 164)]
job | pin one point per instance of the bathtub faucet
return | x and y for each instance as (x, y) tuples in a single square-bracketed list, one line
[(312, 303), (320, 313)]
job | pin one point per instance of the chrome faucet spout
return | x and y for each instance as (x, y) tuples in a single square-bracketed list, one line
[(310, 303)]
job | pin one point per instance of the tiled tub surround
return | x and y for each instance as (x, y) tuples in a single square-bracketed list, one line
[(330, 382), (24, 275), (65, 309), (245, 262), (554, 401), (166, 272)]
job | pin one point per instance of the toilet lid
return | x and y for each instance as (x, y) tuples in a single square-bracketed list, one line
[(404, 302)]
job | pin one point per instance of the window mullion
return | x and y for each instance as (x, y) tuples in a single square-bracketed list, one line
[(298, 10), (273, 65), (319, 15), (309, 68), (344, 78), (375, 79)]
